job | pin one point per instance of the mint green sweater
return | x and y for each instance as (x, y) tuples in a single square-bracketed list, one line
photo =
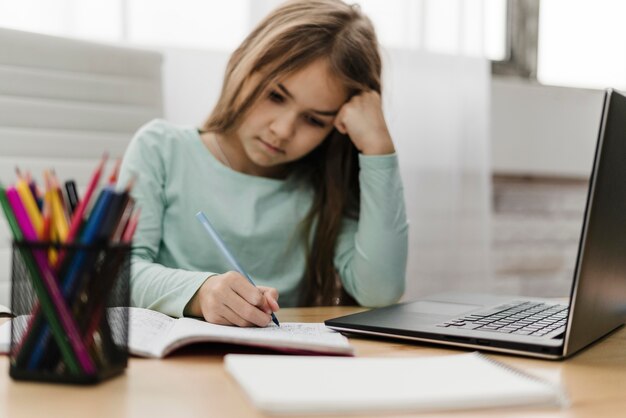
[(257, 217)]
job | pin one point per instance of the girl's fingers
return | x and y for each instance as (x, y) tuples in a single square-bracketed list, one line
[(252, 294), (223, 321), (272, 303), (271, 297), (269, 291), (233, 300), (339, 123), (341, 128), (248, 314), (235, 318)]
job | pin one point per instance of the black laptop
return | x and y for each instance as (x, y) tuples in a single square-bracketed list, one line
[(532, 326)]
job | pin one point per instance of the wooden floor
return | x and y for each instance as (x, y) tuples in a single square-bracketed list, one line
[(536, 228)]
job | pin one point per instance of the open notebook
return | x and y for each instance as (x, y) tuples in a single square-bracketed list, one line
[(153, 334), (313, 385)]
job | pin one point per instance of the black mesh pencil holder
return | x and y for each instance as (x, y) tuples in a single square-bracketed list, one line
[(71, 306)]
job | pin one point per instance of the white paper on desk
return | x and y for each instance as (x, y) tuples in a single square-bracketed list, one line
[(293, 385)]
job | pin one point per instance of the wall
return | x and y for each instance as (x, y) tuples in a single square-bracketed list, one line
[(543, 130), (191, 84)]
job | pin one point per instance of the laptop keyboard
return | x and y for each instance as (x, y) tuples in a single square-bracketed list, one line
[(518, 318)]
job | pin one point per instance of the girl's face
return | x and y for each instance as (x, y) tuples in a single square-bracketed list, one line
[(291, 118)]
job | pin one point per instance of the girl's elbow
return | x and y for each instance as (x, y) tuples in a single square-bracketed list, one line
[(394, 295), (382, 296)]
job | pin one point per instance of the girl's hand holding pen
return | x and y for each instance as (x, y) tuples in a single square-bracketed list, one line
[(362, 119), (230, 299)]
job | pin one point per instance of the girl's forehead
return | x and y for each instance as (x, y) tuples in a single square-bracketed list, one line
[(315, 86)]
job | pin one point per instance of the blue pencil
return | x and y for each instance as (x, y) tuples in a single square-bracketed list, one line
[(225, 251), (76, 267)]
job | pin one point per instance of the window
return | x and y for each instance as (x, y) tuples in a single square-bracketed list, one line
[(463, 27), (581, 43), (172, 23), (91, 19), (188, 23), (575, 43)]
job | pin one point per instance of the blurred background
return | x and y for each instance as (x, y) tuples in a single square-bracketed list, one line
[(494, 106)]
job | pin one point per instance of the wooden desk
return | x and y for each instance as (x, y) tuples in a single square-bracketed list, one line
[(193, 383)]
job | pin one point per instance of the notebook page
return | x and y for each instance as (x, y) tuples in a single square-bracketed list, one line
[(148, 331), (283, 384), (311, 336), (146, 336)]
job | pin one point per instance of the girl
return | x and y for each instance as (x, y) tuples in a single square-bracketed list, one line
[(294, 167)]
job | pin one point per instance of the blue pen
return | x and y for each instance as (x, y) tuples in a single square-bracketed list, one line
[(222, 246)]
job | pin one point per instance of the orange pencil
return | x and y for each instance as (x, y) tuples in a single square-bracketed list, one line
[(115, 172)]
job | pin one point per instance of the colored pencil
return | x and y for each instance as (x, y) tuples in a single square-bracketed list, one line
[(50, 297), (72, 195), (77, 218), (79, 213), (32, 209)]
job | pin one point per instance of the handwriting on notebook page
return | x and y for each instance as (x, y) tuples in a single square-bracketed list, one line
[(294, 328)]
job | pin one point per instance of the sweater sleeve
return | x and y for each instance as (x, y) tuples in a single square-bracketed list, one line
[(154, 286), (371, 253)]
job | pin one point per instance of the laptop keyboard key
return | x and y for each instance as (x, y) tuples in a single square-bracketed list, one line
[(522, 318)]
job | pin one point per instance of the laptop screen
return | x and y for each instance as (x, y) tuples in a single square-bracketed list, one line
[(598, 300)]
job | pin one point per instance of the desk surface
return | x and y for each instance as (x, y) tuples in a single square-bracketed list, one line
[(193, 383)]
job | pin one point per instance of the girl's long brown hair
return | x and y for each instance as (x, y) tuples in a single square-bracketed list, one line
[(293, 36)]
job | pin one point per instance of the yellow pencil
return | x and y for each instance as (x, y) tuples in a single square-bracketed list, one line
[(49, 233), (28, 200), (59, 220)]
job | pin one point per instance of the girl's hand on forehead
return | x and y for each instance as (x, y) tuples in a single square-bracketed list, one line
[(362, 119)]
